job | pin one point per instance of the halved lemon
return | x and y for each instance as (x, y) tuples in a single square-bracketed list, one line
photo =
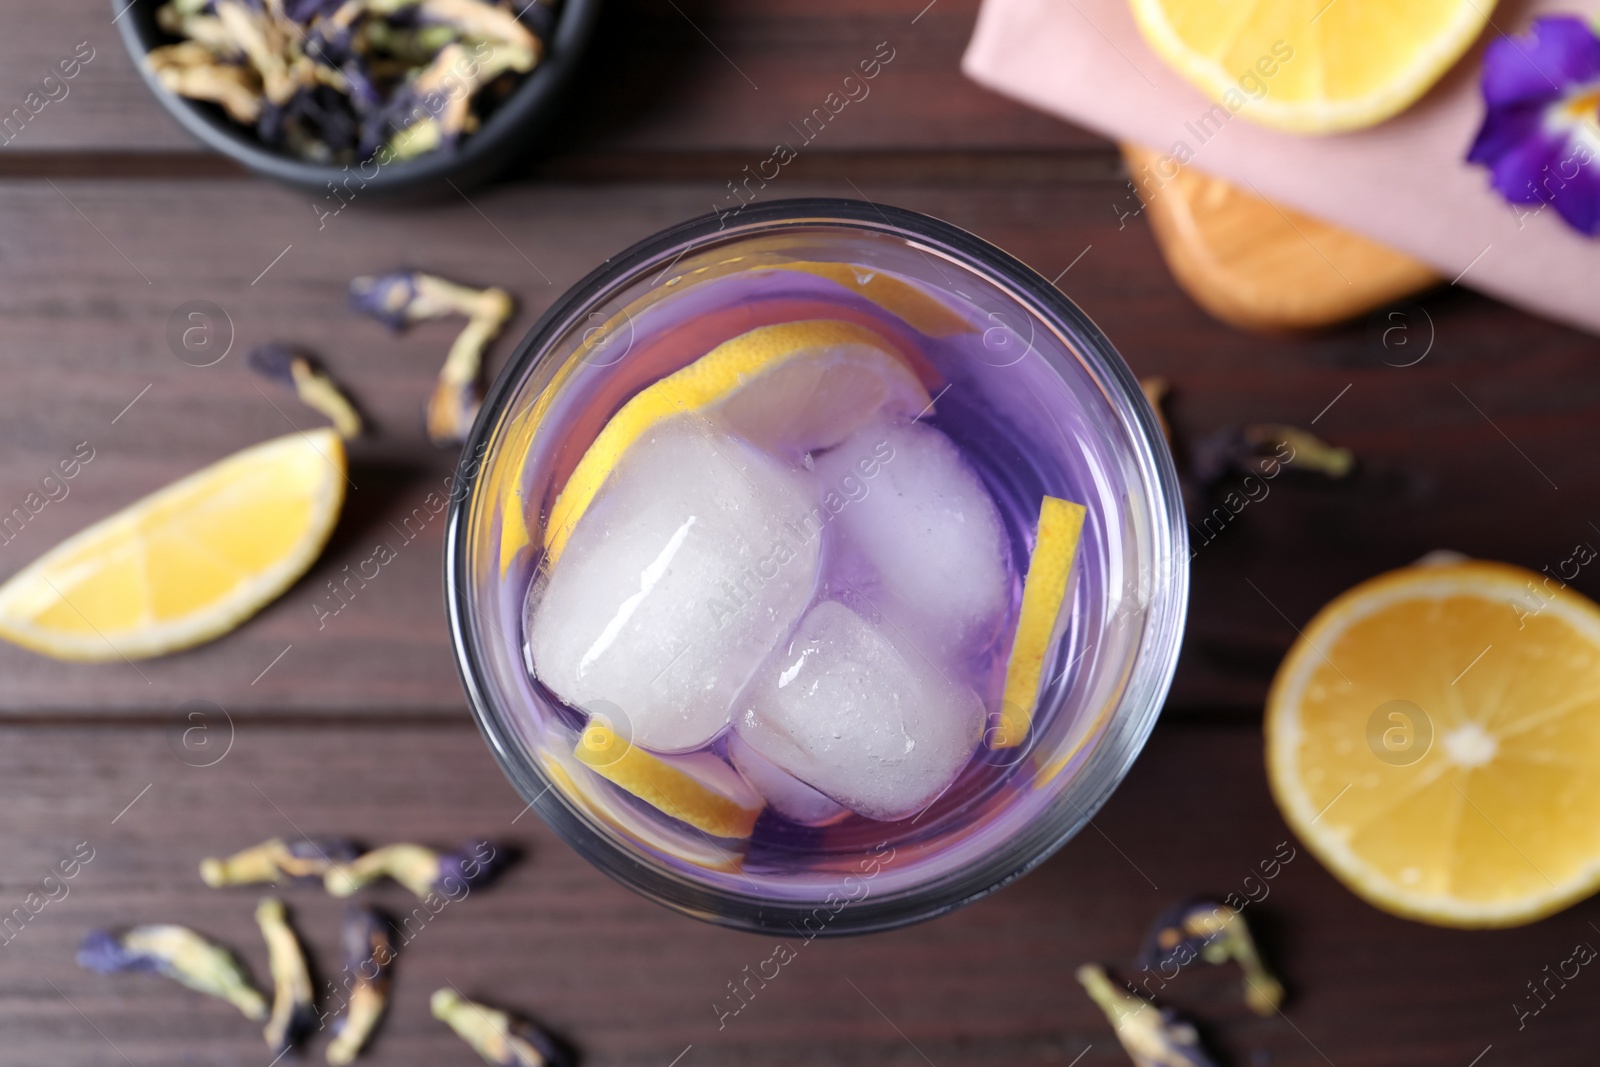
[(1044, 594), (187, 563), (794, 386), (1311, 66), (698, 789), (1434, 738)]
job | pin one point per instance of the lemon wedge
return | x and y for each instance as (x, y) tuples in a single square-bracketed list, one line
[(923, 313), (1312, 66), (698, 789), (794, 386), (1434, 738), (187, 563), (1044, 595)]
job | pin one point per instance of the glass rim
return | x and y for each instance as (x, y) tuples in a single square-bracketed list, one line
[(1126, 728)]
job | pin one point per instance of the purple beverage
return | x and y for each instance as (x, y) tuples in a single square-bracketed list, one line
[(751, 536)]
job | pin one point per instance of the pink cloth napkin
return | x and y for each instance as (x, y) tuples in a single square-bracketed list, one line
[(1403, 183)]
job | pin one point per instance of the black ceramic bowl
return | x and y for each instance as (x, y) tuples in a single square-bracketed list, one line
[(506, 134)]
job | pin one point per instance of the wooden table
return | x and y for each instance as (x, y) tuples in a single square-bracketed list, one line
[(110, 218)]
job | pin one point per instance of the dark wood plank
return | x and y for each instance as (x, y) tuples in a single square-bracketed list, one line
[(664, 78), (631, 983), (1455, 451)]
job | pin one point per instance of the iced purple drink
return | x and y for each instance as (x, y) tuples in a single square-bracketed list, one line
[(775, 593)]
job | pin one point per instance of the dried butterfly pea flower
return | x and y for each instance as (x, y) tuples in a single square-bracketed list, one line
[(293, 1010), (178, 953), (1216, 933), (332, 80), (479, 21), (1152, 1036), (288, 365), (302, 12), (368, 951), (498, 1037), (455, 399), (421, 870), (203, 29), (402, 297), (399, 298), (411, 46), (263, 42), (433, 105), (191, 69), (305, 859), (1250, 449), (1309, 451)]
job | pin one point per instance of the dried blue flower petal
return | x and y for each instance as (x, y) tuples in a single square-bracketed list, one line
[(501, 1039), (333, 80), (1249, 449), (178, 953), (288, 365), (304, 11), (305, 859), (389, 298), (293, 1010), (368, 951), (1306, 449), (1152, 1036), (193, 70), (421, 870), (479, 21), (402, 297), (1215, 932)]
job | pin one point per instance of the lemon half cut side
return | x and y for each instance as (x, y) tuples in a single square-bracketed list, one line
[(1312, 66), (1434, 738)]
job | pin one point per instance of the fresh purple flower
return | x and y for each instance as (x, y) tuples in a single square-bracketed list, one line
[(1541, 131)]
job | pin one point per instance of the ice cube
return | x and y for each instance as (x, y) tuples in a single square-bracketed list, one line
[(784, 793), (918, 536), (687, 569), (866, 721)]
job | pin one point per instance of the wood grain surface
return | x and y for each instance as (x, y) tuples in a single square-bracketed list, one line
[(631, 984), (1474, 426)]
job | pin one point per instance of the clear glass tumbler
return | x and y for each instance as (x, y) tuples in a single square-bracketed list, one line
[(1037, 401)]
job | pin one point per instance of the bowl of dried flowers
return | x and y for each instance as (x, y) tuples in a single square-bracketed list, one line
[(385, 95)]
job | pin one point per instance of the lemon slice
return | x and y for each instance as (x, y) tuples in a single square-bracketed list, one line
[(187, 563), (1311, 66), (795, 386), (1044, 594), (1434, 738), (698, 789), (923, 313)]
